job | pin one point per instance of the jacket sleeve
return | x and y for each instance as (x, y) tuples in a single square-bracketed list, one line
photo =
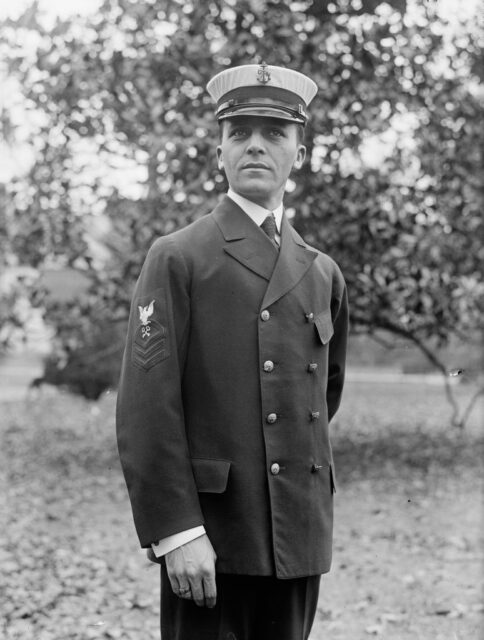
[(337, 345), (150, 424)]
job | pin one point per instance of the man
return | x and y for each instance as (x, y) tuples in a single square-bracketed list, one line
[(233, 369)]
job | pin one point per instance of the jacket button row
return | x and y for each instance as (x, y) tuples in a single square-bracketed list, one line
[(265, 315), (276, 469), (271, 418), (268, 366)]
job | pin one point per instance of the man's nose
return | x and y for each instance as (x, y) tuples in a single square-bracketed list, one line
[(256, 143)]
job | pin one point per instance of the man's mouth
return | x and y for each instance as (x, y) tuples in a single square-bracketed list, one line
[(255, 165)]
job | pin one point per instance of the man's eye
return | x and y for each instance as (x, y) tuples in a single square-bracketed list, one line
[(238, 133), (277, 133)]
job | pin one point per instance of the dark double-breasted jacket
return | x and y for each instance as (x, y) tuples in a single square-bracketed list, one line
[(233, 368)]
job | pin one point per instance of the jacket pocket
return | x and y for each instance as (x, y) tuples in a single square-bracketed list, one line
[(324, 326), (211, 476)]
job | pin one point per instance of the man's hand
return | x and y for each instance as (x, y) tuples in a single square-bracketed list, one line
[(191, 570)]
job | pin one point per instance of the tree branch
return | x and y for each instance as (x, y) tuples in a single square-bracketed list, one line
[(432, 358)]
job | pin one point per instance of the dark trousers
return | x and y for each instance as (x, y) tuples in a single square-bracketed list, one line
[(248, 608)]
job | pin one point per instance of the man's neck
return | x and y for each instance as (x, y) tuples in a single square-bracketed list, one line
[(270, 204), (255, 211)]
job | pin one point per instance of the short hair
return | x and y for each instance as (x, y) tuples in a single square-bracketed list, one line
[(300, 130)]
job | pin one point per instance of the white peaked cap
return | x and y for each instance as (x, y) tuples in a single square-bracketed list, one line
[(262, 90)]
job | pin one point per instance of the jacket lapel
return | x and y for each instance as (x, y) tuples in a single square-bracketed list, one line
[(295, 258), (246, 243)]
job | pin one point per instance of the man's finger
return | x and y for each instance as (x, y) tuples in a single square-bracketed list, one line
[(210, 591), (184, 591), (175, 586), (174, 581), (179, 586), (197, 591)]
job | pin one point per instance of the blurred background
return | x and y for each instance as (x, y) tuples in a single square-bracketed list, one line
[(108, 141)]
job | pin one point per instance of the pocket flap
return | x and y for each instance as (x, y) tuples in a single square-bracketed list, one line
[(211, 476), (324, 326)]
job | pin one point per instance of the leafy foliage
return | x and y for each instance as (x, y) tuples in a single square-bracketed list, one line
[(393, 188)]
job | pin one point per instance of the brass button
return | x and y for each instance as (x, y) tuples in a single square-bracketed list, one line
[(314, 415), (271, 418), (312, 366), (265, 315), (310, 317), (275, 468), (268, 366), (316, 467)]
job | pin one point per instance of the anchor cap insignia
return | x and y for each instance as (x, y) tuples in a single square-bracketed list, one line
[(263, 74)]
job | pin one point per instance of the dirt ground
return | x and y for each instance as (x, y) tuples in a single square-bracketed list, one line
[(409, 553)]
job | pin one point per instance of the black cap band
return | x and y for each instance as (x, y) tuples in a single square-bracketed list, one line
[(274, 99)]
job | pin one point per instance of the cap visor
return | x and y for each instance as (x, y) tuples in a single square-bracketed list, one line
[(263, 112)]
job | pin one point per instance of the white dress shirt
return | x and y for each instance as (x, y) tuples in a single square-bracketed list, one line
[(258, 214), (169, 543)]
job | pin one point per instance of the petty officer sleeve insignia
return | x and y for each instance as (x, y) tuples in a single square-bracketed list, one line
[(150, 341)]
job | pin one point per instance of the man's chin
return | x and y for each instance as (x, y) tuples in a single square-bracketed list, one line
[(255, 189)]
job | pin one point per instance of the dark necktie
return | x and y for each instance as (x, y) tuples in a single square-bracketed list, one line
[(269, 227)]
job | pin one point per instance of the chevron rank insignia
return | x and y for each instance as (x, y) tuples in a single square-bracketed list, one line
[(150, 344)]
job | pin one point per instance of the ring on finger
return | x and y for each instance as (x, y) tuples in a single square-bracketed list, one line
[(184, 592)]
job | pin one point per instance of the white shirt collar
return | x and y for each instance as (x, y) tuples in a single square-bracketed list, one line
[(257, 213)]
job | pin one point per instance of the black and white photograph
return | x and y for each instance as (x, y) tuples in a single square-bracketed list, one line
[(241, 320)]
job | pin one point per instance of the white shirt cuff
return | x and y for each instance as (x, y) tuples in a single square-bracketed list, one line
[(169, 543)]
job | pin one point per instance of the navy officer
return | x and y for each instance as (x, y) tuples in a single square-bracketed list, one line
[(233, 369)]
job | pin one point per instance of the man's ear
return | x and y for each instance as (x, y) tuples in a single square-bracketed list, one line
[(220, 158), (300, 156)]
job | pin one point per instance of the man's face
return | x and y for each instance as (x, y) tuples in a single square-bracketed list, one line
[(258, 154)]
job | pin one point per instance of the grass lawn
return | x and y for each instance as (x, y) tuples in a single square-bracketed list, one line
[(408, 560)]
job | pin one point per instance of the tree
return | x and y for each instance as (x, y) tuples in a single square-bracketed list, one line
[(401, 216)]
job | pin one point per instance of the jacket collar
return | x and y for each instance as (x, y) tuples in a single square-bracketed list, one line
[(246, 242), (255, 211), (295, 258), (250, 246)]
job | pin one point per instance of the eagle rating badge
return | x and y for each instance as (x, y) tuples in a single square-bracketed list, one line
[(150, 341), (144, 315)]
